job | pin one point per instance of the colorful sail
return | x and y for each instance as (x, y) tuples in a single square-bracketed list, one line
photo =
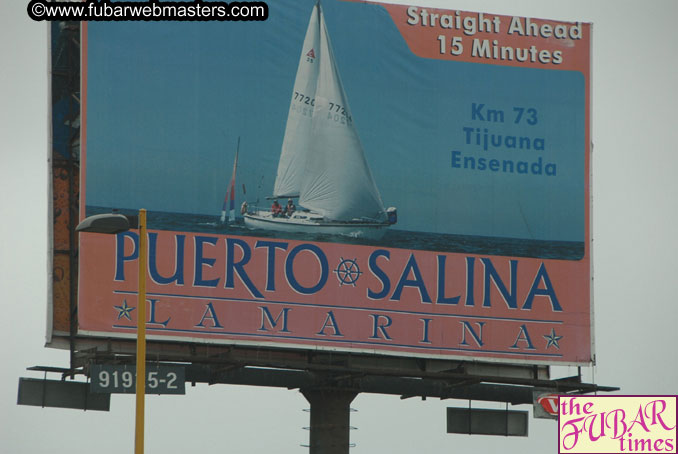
[(229, 199)]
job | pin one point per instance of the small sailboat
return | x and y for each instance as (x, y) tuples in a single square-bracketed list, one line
[(229, 199), (322, 162)]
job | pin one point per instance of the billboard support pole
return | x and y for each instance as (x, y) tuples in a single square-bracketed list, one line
[(330, 419), (141, 339), (112, 224)]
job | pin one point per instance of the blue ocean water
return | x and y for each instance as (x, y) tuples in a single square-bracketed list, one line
[(394, 238)]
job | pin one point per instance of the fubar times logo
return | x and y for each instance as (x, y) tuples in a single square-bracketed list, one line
[(617, 424)]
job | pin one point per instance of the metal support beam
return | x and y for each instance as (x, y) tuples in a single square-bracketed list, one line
[(470, 388), (330, 419)]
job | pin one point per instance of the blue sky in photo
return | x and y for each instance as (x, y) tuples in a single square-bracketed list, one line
[(167, 101)]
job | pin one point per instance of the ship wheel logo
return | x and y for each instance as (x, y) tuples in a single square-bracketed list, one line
[(348, 272)]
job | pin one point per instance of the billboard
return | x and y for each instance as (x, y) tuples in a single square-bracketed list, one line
[(438, 163)]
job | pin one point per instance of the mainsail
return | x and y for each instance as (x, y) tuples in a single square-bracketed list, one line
[(297, 138), (322, 159)]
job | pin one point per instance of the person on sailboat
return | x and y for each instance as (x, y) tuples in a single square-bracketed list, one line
[(243, 207), (290, 208), (276, 209)]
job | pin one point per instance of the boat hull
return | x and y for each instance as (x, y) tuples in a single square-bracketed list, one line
[(266, 221)]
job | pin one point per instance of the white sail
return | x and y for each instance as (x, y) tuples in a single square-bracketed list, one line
[(296, 142), (337, 181)]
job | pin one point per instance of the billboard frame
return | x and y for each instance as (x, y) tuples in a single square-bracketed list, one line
[(85, 349)]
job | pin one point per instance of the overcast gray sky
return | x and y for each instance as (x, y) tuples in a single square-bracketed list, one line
[(635, 255)]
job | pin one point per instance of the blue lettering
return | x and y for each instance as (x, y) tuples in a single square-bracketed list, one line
[(120, 257), (379, 274), (478, 338), (178, 275), (476, 113), (266, 316), (209, 314), (470, 261), (332, 323), (380, 327), (324, 269), (441, 284), (548, 290), (524, 336), (152, 317), (510, 297), (270, 274), (456, 159), (233, 267), (417, 282), (427, 322), (198, 280)]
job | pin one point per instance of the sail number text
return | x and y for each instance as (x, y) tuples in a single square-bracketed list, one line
[(300, 97), (337, 112)]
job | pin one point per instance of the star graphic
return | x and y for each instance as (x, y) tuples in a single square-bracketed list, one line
[(124, 310), (552, 339)]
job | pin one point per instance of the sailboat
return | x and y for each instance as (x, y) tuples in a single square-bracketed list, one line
[(322, 162), (229, 199)]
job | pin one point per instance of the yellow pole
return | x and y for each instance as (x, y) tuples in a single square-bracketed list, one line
[(141, 338)]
